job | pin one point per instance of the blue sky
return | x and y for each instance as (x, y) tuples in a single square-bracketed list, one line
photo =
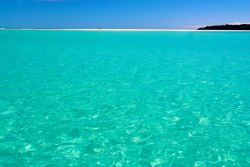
[(121, 13)]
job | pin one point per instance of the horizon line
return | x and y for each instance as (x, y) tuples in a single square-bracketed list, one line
[(123, 29)]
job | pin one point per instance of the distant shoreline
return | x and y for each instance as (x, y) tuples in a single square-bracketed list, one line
[(242, 27), (131, 30)]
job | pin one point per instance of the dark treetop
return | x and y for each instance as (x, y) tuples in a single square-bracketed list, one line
[(227, 27)]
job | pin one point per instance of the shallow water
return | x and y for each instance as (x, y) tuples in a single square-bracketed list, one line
[(74, 98)]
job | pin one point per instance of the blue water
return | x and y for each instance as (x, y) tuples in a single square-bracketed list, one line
[(170, 99)]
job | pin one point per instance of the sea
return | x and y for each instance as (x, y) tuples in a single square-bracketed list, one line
[(124, 98)]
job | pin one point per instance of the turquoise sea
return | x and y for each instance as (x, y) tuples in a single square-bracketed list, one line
[(139, 99)]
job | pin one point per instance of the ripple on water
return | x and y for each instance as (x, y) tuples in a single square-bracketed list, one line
[(124, 99)]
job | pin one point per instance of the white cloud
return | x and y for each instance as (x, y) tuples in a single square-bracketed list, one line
[(196, 26), (51, 0), (238, 23)]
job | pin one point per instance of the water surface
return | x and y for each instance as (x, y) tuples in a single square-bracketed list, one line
[(75, 98)]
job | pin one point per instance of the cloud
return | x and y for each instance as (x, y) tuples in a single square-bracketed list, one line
[(52, 0), (238, 23), (196, 26)]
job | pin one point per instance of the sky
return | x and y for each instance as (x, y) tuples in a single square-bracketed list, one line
[(121, 13)]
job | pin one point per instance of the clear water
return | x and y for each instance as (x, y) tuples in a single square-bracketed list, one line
[(74, 98)]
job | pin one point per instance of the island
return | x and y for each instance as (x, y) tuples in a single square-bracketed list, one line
[(227, 27)]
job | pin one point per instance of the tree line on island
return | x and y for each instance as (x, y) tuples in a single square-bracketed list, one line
[(227, 27)]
